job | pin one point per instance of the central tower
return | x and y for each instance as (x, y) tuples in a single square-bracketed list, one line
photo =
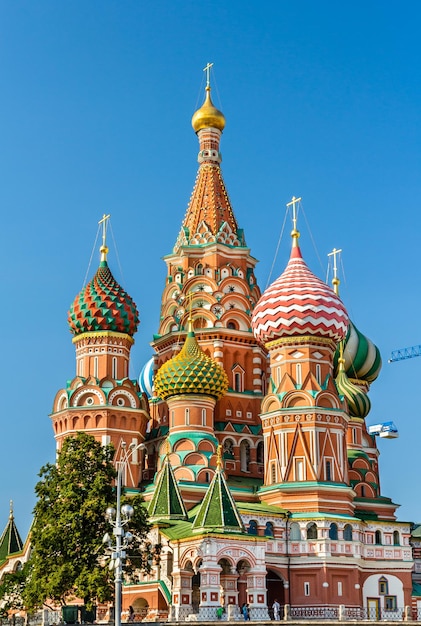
[(210, 279)]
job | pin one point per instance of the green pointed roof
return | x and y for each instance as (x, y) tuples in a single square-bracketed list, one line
[(10, 541), (167, 502), (218, 511)]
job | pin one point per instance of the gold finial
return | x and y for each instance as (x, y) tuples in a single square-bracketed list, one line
[(11, 510), (167, 447), (341, 360), (219, 457), (207, 69), (103, 249), (335, 280), (189, 301), (294, 233)]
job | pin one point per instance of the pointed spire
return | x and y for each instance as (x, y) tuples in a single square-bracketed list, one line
[(218, 511), (10, 541), (167, 502)]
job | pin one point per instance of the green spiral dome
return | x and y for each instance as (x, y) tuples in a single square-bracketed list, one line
[(362, 358), (103, 305), (191, 371), (358, 402)]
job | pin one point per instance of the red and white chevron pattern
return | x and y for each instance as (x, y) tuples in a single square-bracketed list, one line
[(299, 303)]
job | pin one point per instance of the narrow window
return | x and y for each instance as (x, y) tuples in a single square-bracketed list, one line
[(203, 417), (81, 367), (298, 374), (383, 586), (114, 367), (172, 418), (396, 539), (348, 532), (333, 532), (354, 435), (96, 366), (306, 589), (328, 470), (273, 473), (299, 469), (278, 374), (237, 381), (187, 416), (319, 374), (378, 538), (339, 588)]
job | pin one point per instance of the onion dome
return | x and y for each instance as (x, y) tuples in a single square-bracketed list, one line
[(208, 115), (103, 305), (299, 303), (362, 357), (146, 378), (191, 371), (358, 402)]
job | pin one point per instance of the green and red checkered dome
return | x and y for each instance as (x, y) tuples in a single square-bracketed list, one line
[(103, 305)]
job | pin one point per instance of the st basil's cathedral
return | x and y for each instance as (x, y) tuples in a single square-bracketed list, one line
[(258, 471)]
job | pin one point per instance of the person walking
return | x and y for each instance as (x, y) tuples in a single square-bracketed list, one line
[(245, 612), (276, 610)]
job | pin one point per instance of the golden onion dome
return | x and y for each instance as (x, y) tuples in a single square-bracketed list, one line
[(191, 371), (208, 116)]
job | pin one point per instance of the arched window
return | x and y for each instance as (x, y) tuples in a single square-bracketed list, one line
[(238, 378), (348, 532), (333, 532), (269, 529), (228, 449), (231, 326), (294, 532), (260, 452), (396, 538), (298, 374), (199, 269), (245, 456), (312, 531), (114, 367), (378, 538), (252, 529)]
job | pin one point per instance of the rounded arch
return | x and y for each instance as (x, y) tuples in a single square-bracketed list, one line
[(275, 585), (295, 532), (333, 531), (311, 531), (347, 532), (297, 398), (245, 455), (327, 400), (270, 403)]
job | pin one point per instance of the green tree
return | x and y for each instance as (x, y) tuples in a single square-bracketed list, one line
[(12, 587), (68, 555)]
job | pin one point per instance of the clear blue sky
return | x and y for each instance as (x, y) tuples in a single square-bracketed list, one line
[(322, 100)]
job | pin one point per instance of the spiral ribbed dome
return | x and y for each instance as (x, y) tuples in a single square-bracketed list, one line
[(208, 116), (299, 303), (103, 305), (191, 371), (362, 357), (358, 402)]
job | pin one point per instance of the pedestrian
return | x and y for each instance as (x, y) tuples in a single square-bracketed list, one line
[(219, 612), (245, 612), (131, 614), (276, 610)]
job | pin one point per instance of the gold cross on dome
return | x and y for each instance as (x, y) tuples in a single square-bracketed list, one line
[(293, 203), (335, 253), (104, 221), (207, 69), (335, 280), (219, 457)]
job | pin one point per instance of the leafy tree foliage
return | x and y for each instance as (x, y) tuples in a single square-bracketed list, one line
[(68, 555), (11, 590)]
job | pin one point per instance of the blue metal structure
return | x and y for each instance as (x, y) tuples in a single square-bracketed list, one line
[(405, 353)]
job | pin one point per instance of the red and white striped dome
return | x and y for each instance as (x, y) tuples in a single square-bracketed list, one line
[(299, 303)]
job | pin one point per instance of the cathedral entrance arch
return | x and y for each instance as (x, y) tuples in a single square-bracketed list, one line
[(275, 590), (243, 568)]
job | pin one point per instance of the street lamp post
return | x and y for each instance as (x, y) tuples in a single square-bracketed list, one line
[(119, 518)]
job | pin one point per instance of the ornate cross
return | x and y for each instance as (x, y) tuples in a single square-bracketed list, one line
[(207, 70), (293, 203), (104, 221)]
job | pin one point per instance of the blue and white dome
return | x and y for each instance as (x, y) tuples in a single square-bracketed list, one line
[(146, 378)]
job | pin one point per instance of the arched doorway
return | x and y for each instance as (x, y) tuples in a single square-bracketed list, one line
[(140, 607), (243, 567), (195, 584), (275, 590)]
